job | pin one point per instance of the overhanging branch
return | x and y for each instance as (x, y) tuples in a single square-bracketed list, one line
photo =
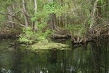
[(12, 16), (16, 23)]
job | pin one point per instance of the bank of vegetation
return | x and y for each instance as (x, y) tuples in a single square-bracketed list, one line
[(43, 21)]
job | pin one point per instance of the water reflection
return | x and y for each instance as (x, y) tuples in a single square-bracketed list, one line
[(78, 60), (25, 61)]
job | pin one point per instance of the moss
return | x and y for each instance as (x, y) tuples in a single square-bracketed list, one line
[(51, 45)]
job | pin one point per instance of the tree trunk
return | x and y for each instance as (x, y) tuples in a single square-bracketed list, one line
[(25, 11), (52, 21), (93, 18), (10, 16), (35, 22)]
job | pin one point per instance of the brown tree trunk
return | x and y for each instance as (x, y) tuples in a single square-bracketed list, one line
[(52, 21)]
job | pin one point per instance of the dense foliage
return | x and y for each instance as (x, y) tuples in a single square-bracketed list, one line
[(39, 20), (43, 16)]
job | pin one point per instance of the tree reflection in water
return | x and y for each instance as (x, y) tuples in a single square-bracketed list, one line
[(91, 59)]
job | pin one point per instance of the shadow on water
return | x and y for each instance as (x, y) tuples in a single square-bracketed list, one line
[(90, 58)]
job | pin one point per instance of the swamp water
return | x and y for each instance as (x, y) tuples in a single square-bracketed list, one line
[(88, 58)]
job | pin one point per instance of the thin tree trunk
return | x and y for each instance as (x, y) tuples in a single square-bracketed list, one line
[(52, 19), (25, 11), (35, 22), (10, 18), (99, 13), (93, 22)]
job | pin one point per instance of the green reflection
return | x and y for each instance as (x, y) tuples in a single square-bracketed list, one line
[(90, 58)]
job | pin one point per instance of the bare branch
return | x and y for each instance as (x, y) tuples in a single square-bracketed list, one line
[(16, 23), (13, 17), (93, 14)]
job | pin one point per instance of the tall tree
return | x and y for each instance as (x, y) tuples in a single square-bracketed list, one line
[(35, 12), (25, 12)]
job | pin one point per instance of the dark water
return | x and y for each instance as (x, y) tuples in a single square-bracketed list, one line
[(88, 58)]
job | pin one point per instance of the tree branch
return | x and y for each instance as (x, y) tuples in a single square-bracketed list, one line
[(12, 16), (16, 23), (93, 14)]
